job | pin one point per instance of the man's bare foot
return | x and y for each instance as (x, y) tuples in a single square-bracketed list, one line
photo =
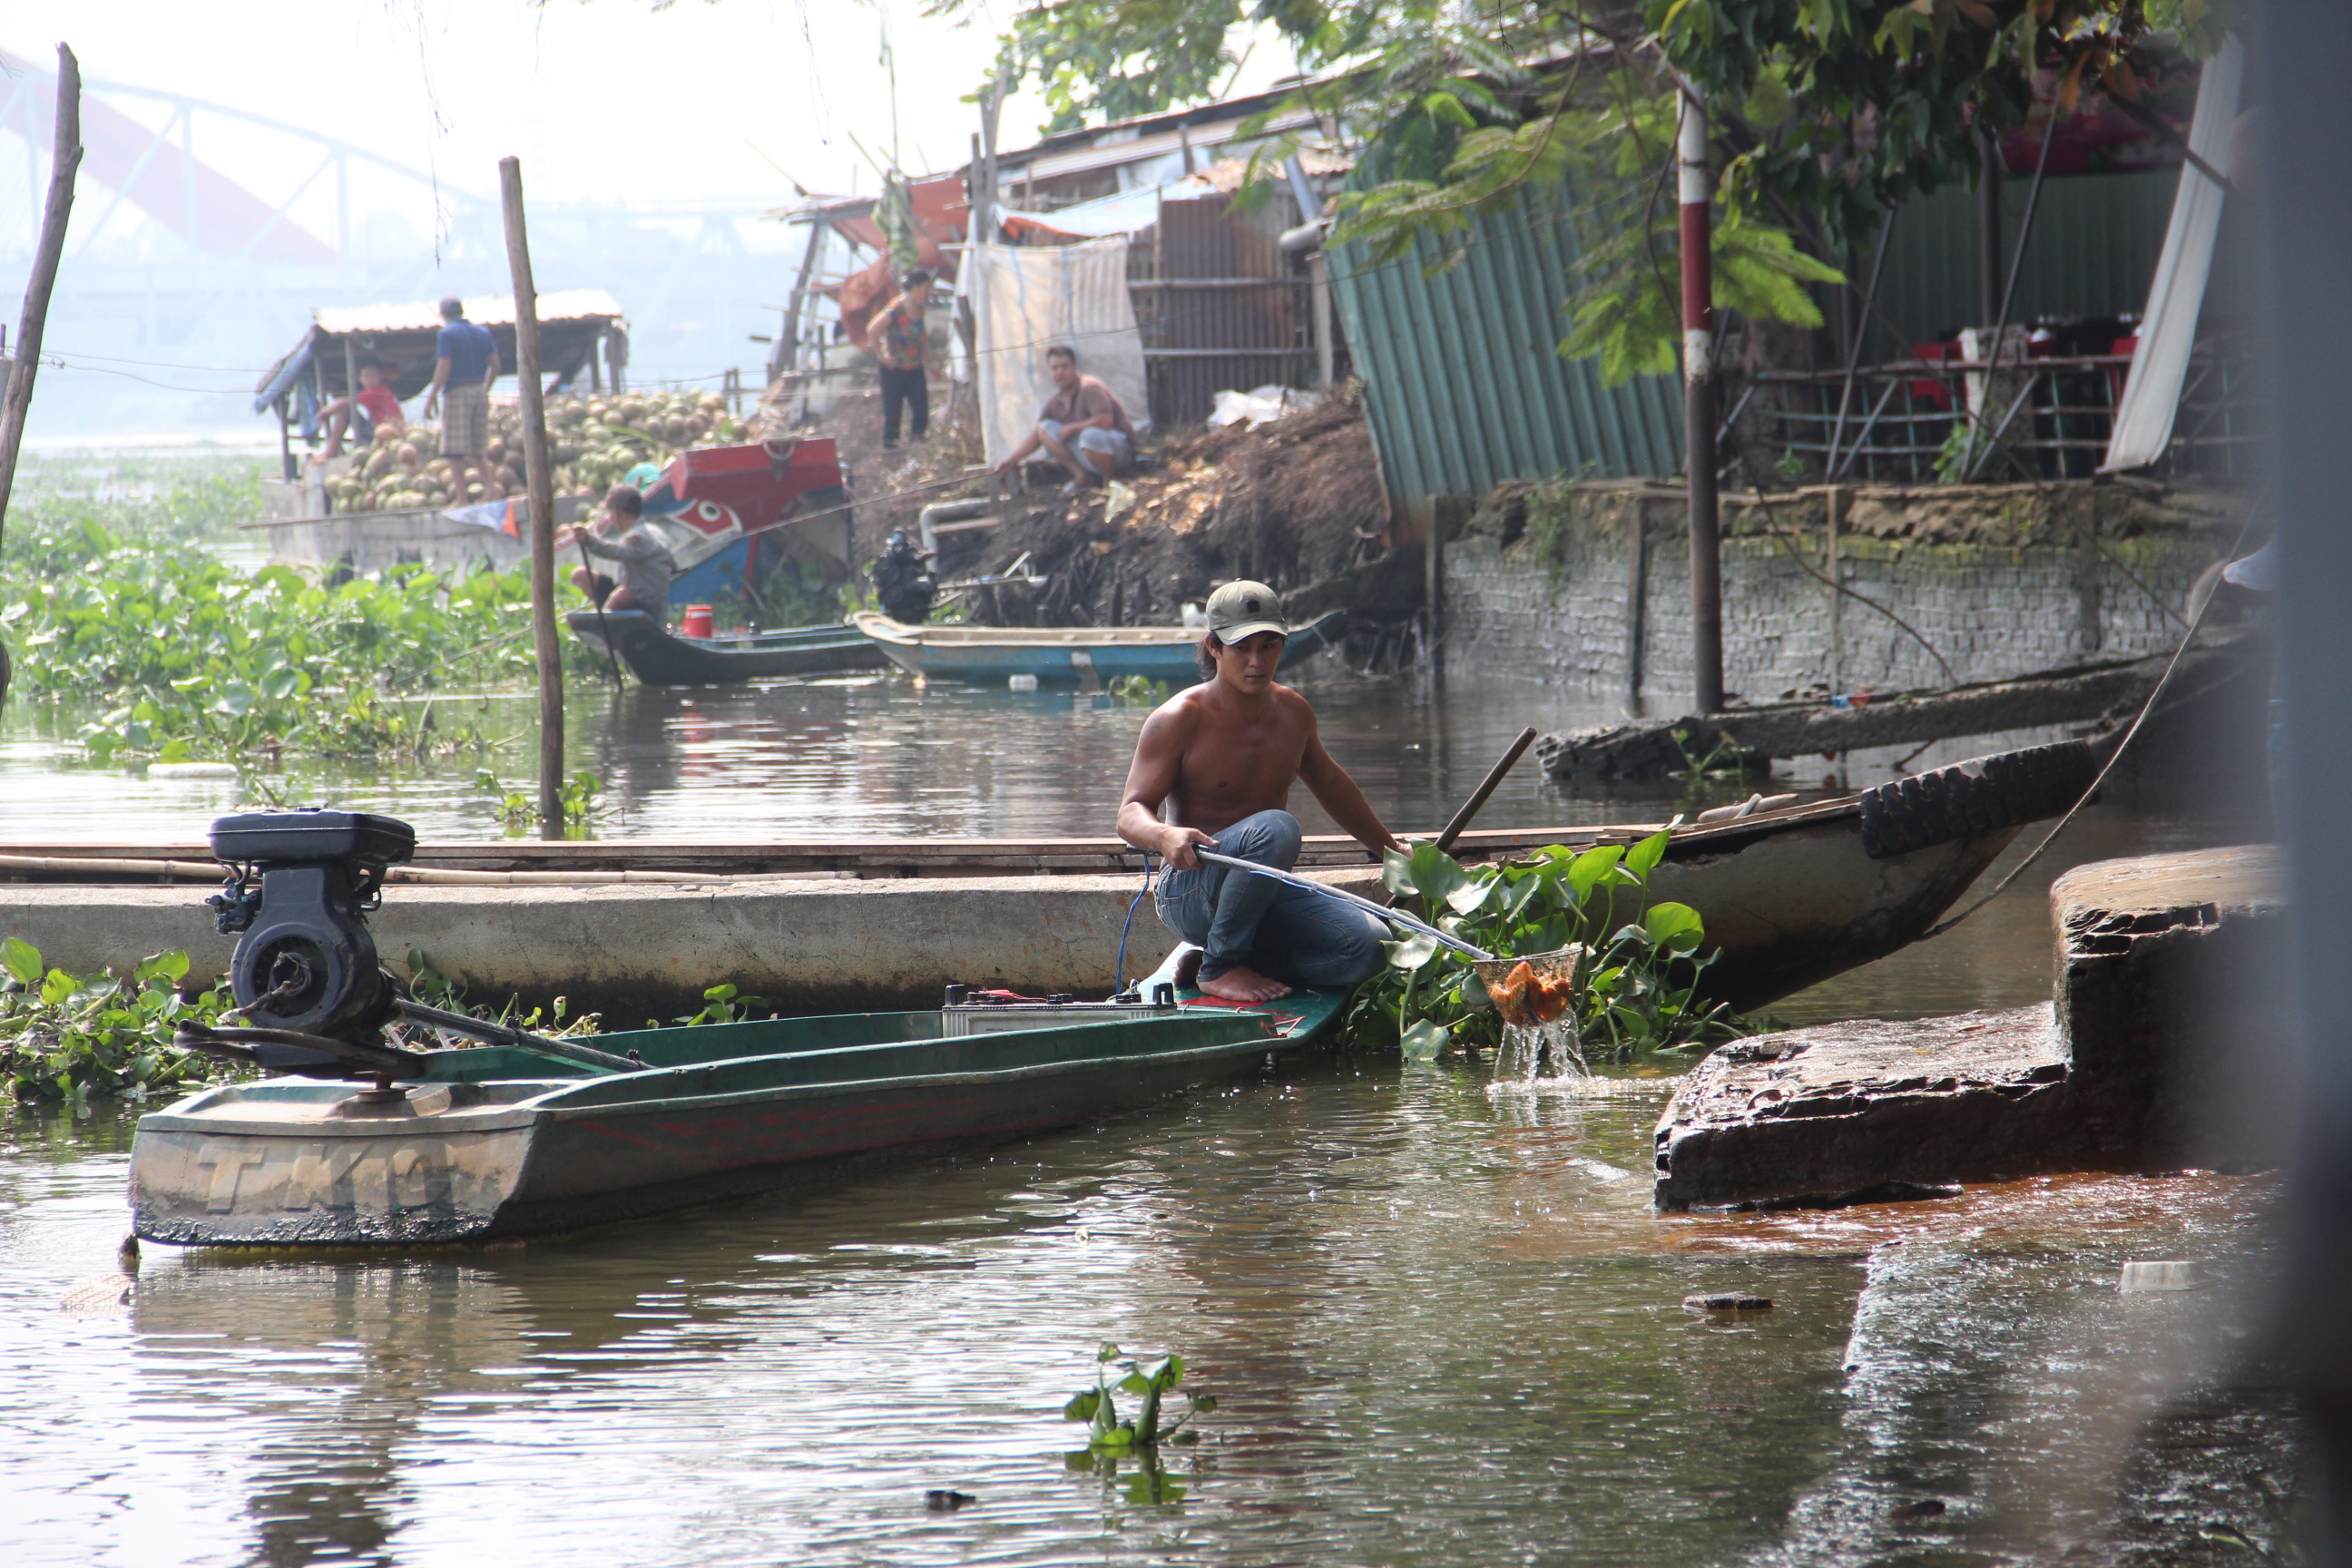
[(1188, 966), (1244, 984)]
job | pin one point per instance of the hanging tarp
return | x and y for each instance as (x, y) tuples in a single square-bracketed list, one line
[(2143, 428), (1027, 298), (1128, 212)]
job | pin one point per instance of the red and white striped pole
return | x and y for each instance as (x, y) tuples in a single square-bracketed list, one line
[(1698, 407)]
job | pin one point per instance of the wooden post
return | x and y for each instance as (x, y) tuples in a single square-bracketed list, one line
[(541, 486), (65, 157), (2089, 629), (1637, 603), (1433, 586), (1698, 409), (1833, 504)]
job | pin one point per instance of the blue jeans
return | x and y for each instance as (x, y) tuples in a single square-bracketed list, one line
[(1284, 933)]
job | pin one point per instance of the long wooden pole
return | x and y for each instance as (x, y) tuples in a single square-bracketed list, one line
[(1698, 406), (65, 159), (542, 485)]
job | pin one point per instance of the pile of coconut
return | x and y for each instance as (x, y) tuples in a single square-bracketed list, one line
[(592, 442)]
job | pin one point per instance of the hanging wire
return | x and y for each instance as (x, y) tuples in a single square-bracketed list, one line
[(1118, 972)]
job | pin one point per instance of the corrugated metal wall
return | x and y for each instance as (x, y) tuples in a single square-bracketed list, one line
[(1463, 387), (1464, 391), (2092, 253)]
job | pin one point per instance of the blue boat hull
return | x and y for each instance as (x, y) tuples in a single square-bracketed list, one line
[(1067, 656)]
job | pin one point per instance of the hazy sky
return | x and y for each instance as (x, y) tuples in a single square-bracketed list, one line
[(601, 98)]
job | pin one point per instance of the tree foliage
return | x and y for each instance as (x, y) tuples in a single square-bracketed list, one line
[(1825, 114)]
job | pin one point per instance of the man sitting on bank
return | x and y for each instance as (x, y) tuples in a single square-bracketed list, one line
[(1083, 426), (621, 535), (1222, 755)]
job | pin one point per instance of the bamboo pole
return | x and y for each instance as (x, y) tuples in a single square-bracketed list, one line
[(65, 159), (541, 486)]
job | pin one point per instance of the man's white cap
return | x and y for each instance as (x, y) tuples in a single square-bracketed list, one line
[(1243, 609)]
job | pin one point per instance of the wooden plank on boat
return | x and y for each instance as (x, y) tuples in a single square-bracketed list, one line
[(525, 860)]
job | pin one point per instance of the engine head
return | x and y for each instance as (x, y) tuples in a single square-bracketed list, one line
[(300, 887)]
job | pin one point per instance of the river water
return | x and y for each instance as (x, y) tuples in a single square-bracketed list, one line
[(1445, 1326)]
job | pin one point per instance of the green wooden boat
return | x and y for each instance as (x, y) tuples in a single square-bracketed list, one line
[(494, 1142)]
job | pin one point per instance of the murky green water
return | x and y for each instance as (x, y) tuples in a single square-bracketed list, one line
[(1444, 1328)]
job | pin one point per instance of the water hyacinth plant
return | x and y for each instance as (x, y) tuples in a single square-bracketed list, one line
[(1635, 983), (64, 1037), (186, 657)]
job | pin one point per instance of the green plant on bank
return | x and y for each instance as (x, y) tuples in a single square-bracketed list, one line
[(180, 497), (1634, 987), (1727, 759), (1967, 453), (64, 1037), (193, 657), (517, 811), (721, 1004), (1136, 691), (1151, 1382), (514, 809), (436, 989)]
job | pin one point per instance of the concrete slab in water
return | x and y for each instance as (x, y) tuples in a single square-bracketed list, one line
[(2163, 1047), (1840, 1108)]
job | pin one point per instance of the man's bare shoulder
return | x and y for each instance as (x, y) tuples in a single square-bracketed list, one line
[(1182, 712), (1293, 705)]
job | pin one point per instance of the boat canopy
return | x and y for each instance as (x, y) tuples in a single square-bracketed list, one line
[(572, 323)]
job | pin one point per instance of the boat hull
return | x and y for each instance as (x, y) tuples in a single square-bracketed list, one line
[(992, 655), (292, 1162), (657, 657)]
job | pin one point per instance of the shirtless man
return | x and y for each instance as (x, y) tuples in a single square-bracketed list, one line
[(1223, 755)]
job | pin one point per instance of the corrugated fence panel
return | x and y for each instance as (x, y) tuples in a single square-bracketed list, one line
[(1463, 387), (2092, 253)]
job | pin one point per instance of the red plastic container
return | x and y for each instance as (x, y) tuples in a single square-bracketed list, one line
[(698, 621)]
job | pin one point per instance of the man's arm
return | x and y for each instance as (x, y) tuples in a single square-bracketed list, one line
[(440, 379), (633, 545), (1158, 756), (1020, 454), (492, 374), (1338, 794)]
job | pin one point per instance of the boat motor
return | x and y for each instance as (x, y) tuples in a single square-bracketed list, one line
[(901, 582), (305, 976)]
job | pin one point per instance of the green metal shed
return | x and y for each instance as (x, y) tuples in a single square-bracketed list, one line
[(1464, 389)]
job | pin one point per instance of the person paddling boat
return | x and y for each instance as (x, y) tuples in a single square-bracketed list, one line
[(1221, 757)]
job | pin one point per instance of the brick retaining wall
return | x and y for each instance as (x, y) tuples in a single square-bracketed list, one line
[(1998, 578)]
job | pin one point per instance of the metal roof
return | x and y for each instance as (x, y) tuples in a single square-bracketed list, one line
[(485, 310)]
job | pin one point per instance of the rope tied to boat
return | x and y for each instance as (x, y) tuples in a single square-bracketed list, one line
[(2139, 719)]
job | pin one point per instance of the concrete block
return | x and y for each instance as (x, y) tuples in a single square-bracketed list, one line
[(1844, 1108), (2164, 1046)]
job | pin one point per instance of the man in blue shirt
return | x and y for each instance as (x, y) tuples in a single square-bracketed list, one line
[(465, 362)]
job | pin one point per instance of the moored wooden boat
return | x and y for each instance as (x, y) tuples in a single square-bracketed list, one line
[(658, 656), (1791, 893), (495, 1141), (994, 654)]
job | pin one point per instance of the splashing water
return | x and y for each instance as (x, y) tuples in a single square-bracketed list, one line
[(1546, 1059)]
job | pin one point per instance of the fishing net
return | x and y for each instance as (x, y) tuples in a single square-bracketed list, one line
[(1535, 994)]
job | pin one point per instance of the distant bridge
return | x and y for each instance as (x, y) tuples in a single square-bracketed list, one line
[(180, 283)]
